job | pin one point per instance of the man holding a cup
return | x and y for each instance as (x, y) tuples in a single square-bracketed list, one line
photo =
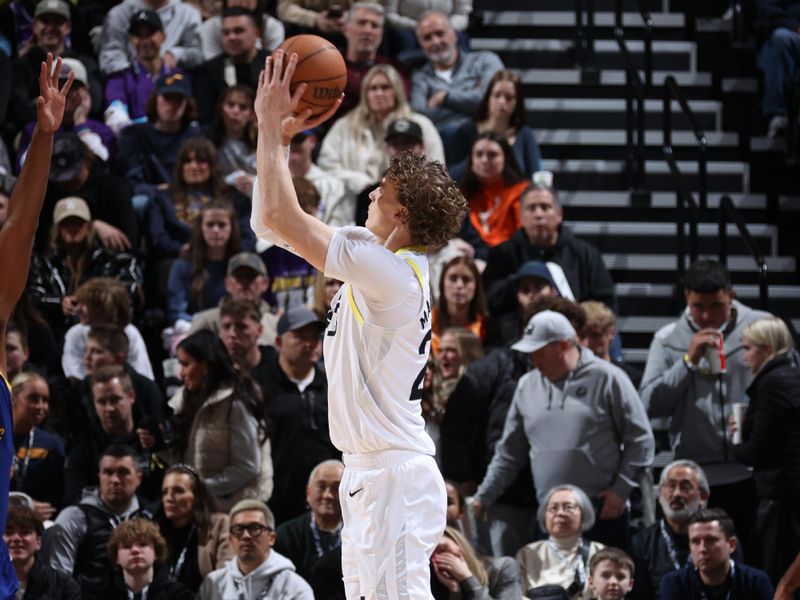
[(695, 375)]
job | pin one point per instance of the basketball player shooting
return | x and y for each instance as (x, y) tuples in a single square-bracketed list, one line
[(376, 344), (16, 244)]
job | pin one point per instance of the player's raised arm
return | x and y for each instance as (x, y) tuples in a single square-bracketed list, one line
[(25, 204), (276, 206)]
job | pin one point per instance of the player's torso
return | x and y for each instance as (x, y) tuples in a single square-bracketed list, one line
[(375, 375)]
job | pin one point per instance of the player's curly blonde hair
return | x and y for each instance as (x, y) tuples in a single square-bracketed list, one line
[(435, 205)]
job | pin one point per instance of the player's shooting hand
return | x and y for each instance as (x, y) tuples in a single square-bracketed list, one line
[(613, 505), (274, 99), (292, 124), (51, 101)]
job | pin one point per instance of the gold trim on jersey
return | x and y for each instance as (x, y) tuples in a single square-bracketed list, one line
[(351, 300)]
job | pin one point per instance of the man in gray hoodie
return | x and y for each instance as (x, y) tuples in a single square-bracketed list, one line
[(580, 421), (257, 572), (686, 380), (182, 44)]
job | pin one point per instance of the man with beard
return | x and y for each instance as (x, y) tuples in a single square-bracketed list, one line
[(449, 87), (664, 546)]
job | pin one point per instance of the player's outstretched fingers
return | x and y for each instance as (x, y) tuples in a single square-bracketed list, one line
[(288, 73), (277, 67), (298, 93)]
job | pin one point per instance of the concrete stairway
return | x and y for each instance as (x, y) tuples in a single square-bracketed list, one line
[(581, 130)]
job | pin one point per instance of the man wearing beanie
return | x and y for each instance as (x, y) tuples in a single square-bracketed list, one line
[(257, 571)]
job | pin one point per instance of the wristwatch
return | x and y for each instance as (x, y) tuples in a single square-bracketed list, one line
[(689, 364)]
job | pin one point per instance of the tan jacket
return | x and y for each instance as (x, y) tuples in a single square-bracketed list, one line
[(224, 448), (214, 550)]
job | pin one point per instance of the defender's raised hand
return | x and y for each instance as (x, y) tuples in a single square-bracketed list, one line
[(50, 104)]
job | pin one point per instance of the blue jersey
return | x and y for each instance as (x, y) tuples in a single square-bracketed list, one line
[(8, 577)]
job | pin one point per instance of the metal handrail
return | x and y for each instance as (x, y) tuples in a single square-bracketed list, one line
[(729, 213), (672, 91), (634, 87), (738, 32), (647, 37), (687, 211), (584, 41)]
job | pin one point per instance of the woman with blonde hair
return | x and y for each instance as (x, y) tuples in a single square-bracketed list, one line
[(324, 290), (461, 573), (38, 465), (771, 440), (354, 149)]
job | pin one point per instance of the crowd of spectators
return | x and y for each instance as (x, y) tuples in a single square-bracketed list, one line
[(170, 401)]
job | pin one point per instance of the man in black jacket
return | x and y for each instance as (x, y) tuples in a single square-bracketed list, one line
[(23, 536), (116, 421), (778, 58), (240, 62), (76, 172), (576, 266), (472, 425), (296, 400)]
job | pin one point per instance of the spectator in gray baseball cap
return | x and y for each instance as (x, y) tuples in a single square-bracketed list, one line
[(246, 279), (580, 421)]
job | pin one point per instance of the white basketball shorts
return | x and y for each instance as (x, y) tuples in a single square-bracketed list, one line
[(393, 506)]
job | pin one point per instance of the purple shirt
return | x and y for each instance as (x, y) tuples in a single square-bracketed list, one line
[(132, 87)]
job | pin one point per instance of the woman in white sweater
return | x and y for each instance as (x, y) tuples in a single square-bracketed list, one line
[(355, 148)]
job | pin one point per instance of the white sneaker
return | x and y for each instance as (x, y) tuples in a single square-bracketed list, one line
[(777, 126)]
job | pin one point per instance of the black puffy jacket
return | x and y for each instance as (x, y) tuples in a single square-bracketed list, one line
[(474, 419), (45, 583)]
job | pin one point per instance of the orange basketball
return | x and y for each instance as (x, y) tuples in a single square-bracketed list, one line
[(321, 66)]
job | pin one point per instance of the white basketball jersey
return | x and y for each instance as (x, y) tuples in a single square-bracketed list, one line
[(375, 373)]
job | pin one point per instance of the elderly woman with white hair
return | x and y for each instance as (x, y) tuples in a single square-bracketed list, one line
[(355, 148), (771, 440), (560, 561)]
